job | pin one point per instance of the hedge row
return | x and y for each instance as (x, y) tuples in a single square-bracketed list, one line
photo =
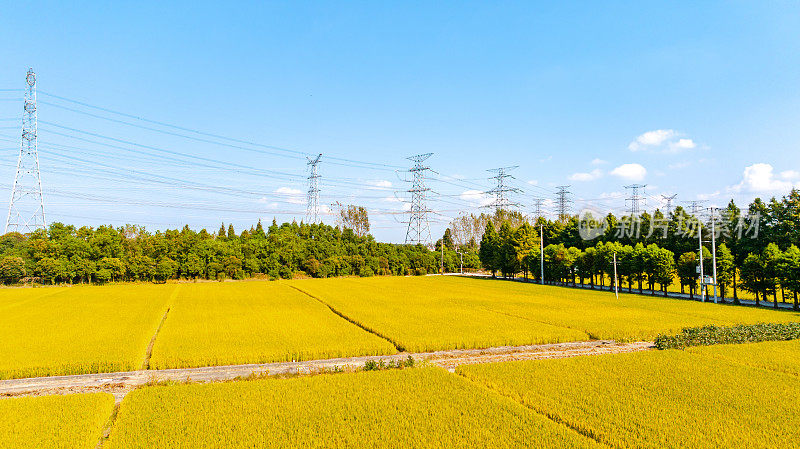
[(717, 335)]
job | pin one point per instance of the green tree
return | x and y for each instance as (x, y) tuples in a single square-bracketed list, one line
[(687, 272), (165, 269), (12, 269), (760, 272), (48, 269), (488, 252), (525, 242), (790, 271), (725, 269), (664, 268), (233, 267)]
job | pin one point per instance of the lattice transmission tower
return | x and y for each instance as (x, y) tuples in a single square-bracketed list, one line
[(502, 191), (636, 200), (419, 230), (26, 208), (563, 202), (669, 200), (312, 199), (537, 205)]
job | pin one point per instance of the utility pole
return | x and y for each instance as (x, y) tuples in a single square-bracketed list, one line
[(541, 254), (636, 199), (695, 210), (312, 200), (26, 208), (419, 231), (714, 248), (616, 287), (501, 191), (563, 202), (442, 256), (669, 200)]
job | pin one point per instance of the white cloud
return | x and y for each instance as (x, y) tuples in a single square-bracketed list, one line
[(607, 195), (380, 184), (651, 139), (682, 144), (293, 196), (477, 197), (631, 172), (708, 196), (667, 140), (269, 203), (598, 161), (288, 191), (679, 165), (533, 182), (790, 175), (584, 177), (392, 199), (760, 178)]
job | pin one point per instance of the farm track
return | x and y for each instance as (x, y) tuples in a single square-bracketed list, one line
[(119, 384)]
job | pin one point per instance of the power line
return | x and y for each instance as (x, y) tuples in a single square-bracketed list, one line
[(26, 208), (296, 153)]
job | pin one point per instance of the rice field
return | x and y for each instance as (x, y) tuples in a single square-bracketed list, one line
[(75, 330), (660, 399), (432, 313), (412, 408), (89, 329), (254, 322), (437, 313), (780, 356), (54, 422)]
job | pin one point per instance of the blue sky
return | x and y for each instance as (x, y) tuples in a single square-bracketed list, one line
[(696, 100)]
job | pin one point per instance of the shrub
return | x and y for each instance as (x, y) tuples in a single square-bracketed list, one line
[(715, 335)]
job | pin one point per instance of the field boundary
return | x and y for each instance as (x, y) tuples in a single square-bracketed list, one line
[(120, 383), (586, 433), (108, 426), (149, 351), (589, 335), (397, 346)]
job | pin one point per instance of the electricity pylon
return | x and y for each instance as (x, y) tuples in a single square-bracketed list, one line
[(26, 208), (419, 230), (312, 200)]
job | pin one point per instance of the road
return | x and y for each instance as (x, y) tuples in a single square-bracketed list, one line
[(635, 291), (119, 384)]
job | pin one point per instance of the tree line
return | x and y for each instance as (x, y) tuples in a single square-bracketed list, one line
[(756, 250), (66, 254)]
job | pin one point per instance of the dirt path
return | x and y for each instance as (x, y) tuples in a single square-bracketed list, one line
[(119, 384)]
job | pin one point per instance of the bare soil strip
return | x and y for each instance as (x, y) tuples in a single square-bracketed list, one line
[(119, 384), (348, 319), (149, 352)]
